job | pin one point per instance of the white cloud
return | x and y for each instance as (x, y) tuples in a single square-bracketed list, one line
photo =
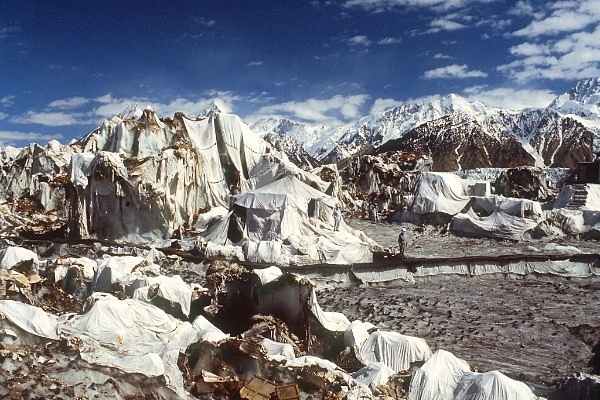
[(255, 63), (205, 21), (510, 98), (453, 71), (7, 100), (444, 25), (441, 56), (381, 105), (333, 110), (70, 103), (565, 22), (13, 137), (529, 49), (9, 31), (110, 106), (359, 40), (561, 16), (575, 55), (48, 118), (385, 5), (389, 40)]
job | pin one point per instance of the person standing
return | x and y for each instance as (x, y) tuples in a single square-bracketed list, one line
[(337, 218), (402, 242)]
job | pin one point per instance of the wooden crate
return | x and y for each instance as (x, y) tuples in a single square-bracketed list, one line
[(258, 389), (287, 392)]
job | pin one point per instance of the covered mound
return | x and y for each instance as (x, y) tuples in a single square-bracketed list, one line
[(395, 350), (143, 179), (438, 377), (439, 192), (496, 225), (492, 385)]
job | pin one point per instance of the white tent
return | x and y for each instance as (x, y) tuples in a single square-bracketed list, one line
[(395, 350), (492, 385), (439, 192), (288, 221), (373, 375), (509, 205), (11, 256), (136, 337), (496, 225), (29, 318), (438, 377)]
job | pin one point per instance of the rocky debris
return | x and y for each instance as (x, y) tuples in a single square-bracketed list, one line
[(523, 183)]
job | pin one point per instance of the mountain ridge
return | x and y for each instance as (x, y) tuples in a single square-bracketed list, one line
[(574, 114)]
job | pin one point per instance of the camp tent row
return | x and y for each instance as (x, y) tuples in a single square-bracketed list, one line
[(497, 216)]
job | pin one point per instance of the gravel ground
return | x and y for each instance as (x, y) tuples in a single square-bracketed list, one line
[(532, 330)]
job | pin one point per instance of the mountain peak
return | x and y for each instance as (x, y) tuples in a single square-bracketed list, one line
[(132, 111), (586, 89), (213, 108), (583, 99)]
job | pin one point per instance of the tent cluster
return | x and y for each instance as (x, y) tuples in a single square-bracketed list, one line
[(445, 198)]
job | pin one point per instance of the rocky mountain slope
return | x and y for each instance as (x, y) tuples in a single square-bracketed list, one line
[(464, 134)]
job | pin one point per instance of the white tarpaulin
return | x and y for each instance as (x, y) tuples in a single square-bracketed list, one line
[(171, 288), (287, 222), (589, 193), (397, 351), (11, 256), (357, 333), (509, 205), (438, 377), (332, 321), (278, 351), (124, 269), (492, 385), (439, 192), (136, 337), (496, 225), (373, 375), (267, 275), (29, 318)]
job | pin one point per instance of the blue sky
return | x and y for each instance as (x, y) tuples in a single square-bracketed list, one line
[(66, 65)]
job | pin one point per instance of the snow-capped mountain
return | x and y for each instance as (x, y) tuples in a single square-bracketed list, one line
[(478, 135)]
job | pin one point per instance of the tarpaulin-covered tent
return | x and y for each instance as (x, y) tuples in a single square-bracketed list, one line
[(492, 385), (438, 377), (136, 337), (279, 209), (395, 350), (13, 255), (439, 192), (508, 205), (496, 225), (374, 374), (287, 221)]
